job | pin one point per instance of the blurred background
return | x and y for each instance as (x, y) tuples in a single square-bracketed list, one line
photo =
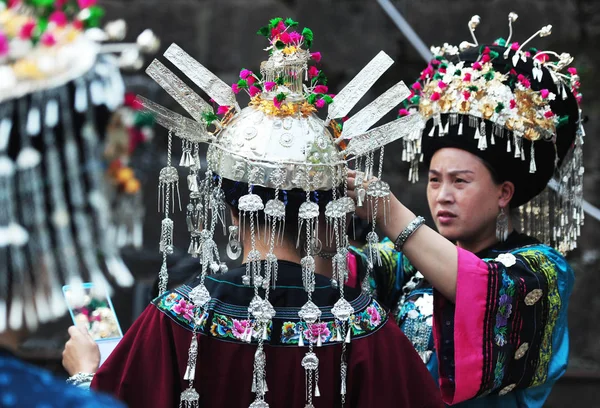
[(220, 34)]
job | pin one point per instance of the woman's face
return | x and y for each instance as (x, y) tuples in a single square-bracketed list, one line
[(463, 198)]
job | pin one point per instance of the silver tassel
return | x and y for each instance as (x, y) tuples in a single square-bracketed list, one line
[(532, 166), (189, 399), (343, 375), (190, 371)]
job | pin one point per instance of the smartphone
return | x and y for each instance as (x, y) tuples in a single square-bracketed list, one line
[(92, 309)]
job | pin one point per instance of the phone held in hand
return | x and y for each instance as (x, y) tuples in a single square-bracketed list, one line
[(91, 308)]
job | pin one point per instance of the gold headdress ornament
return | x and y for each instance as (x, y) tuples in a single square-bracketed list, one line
[(519, 99)]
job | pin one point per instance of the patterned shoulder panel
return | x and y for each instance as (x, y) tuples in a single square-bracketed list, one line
[(523, 307), (285, 329)]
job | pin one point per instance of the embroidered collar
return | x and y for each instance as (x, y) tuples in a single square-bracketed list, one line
[(227, 318)]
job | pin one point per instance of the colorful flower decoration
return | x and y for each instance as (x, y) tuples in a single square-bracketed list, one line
[(450, 86), (271, 89), (43, 24)]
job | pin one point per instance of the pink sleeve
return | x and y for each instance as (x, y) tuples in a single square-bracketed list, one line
[(469, 316), (352, 271)]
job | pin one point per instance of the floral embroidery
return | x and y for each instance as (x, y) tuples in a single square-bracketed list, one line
[(184, 309), (181, 310), (290, 332), (223, 326), (360, 323), (499, 370), (374, 315), (318, 330), (229, 327), (538, 261), (170, 299), (364, 322), (507, 292)]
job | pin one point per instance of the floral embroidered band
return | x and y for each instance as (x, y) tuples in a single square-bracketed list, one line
[(225, 321)]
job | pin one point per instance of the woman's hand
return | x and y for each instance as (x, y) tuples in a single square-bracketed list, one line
[(81, 353), (362, 212)]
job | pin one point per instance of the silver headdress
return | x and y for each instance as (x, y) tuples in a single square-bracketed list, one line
[(278, 142), (51, 235), (524, 119)]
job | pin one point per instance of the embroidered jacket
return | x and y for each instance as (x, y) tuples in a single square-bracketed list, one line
[(146, 369), (505, 342)]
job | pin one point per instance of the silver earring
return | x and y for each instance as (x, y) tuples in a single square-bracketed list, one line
[(502, 225), (234, 246)]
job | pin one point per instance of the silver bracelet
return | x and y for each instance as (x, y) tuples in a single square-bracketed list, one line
[(407, 232), (80, 379)]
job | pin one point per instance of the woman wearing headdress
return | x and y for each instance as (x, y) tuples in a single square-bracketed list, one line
[(275, 331), (484, 305), (53, 218)]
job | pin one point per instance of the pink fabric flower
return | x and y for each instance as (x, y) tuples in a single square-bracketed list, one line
[(275, 32), (467, 77), (59, 18), (281, 27), (527, 54), (245, 73), (512, 71), (514, 46), (416, 86), (466, 95), (572, 70), (235, 88), (222, 110), (296, 37), (548, 114), (276, 103), (269, 85), (316, 56), (251, 80), (345, 118), (513, 104), (427, 72), (435, 62), (253, 91), (285, 38), (313, 72), (542, 57), (403, 112), (59, 3), (435, 96), (544, 93), (477, 66), (320, 89), (184, 309), (441, 84), (48, 39), (86, 3), (27, 30), (486, 58), (332, 96), (320, 103), (486, 50), (524, 81), (3, 44)]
